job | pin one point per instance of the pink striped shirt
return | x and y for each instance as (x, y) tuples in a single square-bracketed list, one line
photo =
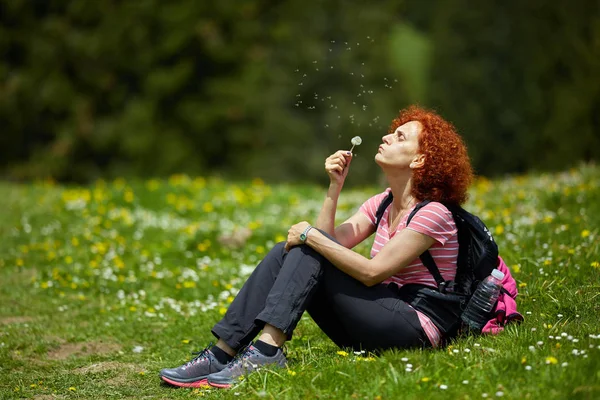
[(433, 220)]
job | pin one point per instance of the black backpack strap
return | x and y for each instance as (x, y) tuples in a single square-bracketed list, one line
[(426, 257), (381, 209)]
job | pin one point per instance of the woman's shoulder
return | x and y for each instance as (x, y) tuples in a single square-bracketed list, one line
[(434, 212), (435, 207), (379, 197)]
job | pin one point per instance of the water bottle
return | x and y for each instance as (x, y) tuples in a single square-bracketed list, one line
[(477, 312)]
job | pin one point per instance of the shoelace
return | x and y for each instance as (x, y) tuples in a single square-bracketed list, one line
[(241, 356), (200, 355)]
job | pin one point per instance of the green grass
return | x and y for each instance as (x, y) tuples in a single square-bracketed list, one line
[(102, 286)]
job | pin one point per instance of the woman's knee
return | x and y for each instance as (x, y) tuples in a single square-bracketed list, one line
[(278, 249)]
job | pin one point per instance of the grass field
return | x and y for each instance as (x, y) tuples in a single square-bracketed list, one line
[(102, 286)]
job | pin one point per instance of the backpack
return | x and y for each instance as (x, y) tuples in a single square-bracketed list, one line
[(477, 257)]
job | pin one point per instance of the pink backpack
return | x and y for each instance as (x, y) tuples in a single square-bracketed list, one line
[(506, 308)]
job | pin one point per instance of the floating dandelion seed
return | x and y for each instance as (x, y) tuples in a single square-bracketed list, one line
[(356, 141)]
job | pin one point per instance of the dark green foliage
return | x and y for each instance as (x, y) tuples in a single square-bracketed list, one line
[(109, 88)]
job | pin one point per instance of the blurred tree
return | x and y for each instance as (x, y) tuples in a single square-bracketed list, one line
[(150, 88)]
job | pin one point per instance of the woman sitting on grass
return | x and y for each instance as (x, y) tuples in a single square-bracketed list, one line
[(355, 300)]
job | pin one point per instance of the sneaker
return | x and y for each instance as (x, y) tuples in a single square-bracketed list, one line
[(245, 362), (194, 372)]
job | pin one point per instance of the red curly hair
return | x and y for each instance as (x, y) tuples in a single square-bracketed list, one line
[(447, 173)]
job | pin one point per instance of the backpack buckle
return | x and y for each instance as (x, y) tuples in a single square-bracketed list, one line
[(442, 287)]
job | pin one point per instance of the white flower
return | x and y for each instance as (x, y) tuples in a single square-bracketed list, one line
[(137, 349), (356, 141), (443, 387)]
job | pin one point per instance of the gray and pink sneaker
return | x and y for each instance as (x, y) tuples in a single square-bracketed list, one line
[(194, 372), (245, 362)]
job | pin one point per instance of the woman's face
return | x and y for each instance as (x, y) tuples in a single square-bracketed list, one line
[(401, 148)]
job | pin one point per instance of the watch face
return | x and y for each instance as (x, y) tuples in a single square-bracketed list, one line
[(302, 237)]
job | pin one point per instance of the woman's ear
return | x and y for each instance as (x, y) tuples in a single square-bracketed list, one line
[(418, 161)]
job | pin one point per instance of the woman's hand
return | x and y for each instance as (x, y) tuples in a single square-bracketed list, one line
[(294, 233), (337, 166)]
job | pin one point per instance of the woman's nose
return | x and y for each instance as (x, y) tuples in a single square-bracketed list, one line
[(386, 138)]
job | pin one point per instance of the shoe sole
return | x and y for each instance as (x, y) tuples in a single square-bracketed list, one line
[(195, 384), (220, 385)]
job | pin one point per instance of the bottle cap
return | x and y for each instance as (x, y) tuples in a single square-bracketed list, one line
[(498, 274)]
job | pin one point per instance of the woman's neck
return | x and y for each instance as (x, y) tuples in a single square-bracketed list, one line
[(401, 186)]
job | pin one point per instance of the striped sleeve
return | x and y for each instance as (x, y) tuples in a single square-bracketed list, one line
[(369, 207), (435, 221)]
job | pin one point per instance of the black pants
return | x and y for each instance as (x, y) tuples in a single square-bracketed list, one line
[(285, 284)]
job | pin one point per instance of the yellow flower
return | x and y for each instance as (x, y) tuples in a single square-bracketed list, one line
[(222, 310), (189, 284), (72, 389), (132, 308), (424, 379), (254, 225), (280, 238), (522, 284), (128, 196), (20, 262), (595, 264), (208, 207), (260, 249), (185, 341), (585, 233), (292, 373), (342, 353), (142, 373), (516, 268), (551, 360), (499, 230), (523, 360)]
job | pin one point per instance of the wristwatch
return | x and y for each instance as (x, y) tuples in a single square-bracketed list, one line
[(304, 235)]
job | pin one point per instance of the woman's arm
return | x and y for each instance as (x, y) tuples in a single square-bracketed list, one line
[(337, 166), (352, 231), (356, 228), (400, 251), (326, 219)]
